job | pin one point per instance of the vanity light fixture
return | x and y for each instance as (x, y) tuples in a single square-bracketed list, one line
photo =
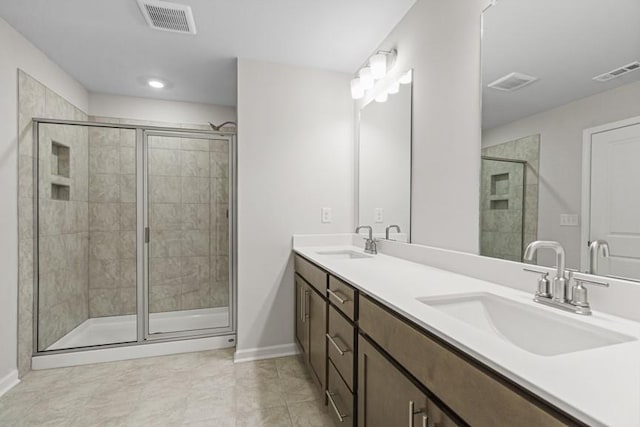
[(394, 88), (156, 84), (382, 96), (366, 78), (374, 69), (357, 91), (378, 64)]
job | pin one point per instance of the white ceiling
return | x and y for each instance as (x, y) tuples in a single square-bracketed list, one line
[(108, 47), (563, 42)]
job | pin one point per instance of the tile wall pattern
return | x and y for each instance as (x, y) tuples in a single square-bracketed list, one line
[(505, 233), (112, 222), (64, 224), (188, 195)]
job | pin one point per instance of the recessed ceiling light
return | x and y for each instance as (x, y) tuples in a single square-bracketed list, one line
[(155, 83)]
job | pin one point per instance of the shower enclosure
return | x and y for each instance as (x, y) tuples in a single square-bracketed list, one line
[(135, 234), (502, 208)]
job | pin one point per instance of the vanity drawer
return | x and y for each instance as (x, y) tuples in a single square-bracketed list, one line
[(342, 296), (340, 344), (339, 398), (312, 274), (477, 396)]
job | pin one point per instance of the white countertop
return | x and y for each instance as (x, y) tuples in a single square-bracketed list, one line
[(599, 386)]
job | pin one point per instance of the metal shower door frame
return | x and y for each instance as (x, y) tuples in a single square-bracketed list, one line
[(143, 311), (141, 131)]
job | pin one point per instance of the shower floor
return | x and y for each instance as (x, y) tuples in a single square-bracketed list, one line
[(121, 329)]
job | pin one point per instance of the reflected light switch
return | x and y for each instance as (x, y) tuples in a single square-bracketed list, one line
[(569, 220), (378, 215)]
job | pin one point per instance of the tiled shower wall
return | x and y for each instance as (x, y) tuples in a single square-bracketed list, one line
[(112, 222), (188, 194), (64, 229), (504, 233), (188, 191)]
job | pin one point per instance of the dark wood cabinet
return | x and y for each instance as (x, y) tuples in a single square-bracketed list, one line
[(317, 309), (302, 333), (376, 368)]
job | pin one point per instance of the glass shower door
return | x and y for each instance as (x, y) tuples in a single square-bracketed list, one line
[(86, 197), (188, 286)]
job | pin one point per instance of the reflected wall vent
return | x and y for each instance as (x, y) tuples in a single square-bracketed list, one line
[(512, 82), (618, 72), (166, 16)]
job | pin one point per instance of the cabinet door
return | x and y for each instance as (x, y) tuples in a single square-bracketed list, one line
[(385, 396), (317, 308), (302, 318)]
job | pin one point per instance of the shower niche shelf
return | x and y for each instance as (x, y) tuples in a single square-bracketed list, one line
[(60, 192), (60, 159), (60, 171)]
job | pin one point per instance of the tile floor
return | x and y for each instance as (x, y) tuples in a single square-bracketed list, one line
[(194, 389)]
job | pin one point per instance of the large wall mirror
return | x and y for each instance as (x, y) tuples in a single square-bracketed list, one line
[(384, 162), (561, 131)]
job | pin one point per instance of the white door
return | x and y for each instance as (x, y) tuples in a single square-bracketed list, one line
[(615, 198)]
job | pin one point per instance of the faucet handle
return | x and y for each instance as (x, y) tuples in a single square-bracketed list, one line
[(544, 286), (579, 296), (533, 270), (584, 278)]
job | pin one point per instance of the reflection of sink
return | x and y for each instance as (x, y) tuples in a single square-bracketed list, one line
[(343, 254), (533, 329)]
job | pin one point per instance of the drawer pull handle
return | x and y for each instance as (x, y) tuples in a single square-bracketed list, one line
[(336, 296), (412, 412), (340, 415), (335, 344)]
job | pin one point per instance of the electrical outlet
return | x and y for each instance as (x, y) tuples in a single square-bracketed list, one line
[(378, 215), (569, 220), (326, 215)]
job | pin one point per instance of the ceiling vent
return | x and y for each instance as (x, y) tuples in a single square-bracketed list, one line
[(617, 72), (512, 82), (166, 16)]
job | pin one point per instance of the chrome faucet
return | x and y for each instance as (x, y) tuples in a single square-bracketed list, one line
[(559, 296), (595, 248), (559, 288), (386, 233), (369, 244)]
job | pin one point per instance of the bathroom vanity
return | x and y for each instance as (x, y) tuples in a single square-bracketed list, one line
[(382, 339)]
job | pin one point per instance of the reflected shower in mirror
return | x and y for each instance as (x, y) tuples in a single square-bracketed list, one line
[(384, 163), (561, 132)]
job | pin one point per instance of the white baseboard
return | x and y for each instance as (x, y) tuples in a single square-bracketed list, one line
[(9, 381), (60, 360), (270, 352)]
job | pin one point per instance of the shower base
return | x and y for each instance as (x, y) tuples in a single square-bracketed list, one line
[(122, 329)]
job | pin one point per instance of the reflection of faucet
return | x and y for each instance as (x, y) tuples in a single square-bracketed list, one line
[(386, 233), (595, 248), (560, 297), (369, 244), (560, 281)]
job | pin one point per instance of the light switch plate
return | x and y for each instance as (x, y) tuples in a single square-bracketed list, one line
[(378, 215), (326, 215), (569, 220)]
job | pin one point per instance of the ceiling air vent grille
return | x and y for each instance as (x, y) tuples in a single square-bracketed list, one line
[(512, 81), (618, 72), (166, 16)]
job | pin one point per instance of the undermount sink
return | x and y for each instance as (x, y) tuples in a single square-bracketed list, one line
[(533, 329), (343, 254)]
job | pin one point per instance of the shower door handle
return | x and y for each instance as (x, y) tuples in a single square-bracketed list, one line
[(146, 234)]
